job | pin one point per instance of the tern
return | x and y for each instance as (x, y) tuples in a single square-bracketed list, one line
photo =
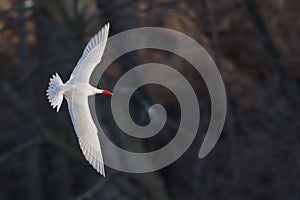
[(76, 91)]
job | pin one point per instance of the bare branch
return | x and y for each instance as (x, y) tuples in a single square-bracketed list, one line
[(21, 106), (19, 148), (230, 126), (98, 186), (263, 32)]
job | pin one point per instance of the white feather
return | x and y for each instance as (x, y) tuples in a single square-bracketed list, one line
[(54, 94), (91, 56), (86, 130), (76, 90)]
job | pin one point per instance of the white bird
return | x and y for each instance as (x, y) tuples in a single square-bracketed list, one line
[(76, 91)]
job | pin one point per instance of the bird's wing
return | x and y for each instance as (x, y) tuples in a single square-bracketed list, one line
[(91, 56), (86, 130)]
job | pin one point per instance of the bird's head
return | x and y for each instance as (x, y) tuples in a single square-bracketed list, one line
[(107, 92), (102, 91)]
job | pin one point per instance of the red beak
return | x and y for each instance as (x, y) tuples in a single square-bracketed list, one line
[(107, 92)]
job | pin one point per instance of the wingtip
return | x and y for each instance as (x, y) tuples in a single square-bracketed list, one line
[(100, 170), (107, 26)]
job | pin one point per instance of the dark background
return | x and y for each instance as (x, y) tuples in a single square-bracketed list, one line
[(256, 47)]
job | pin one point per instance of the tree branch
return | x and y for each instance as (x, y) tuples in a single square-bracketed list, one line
[(21, 106), (98, 186), (19, 148)]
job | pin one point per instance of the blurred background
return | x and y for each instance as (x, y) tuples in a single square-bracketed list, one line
[(256, 47)]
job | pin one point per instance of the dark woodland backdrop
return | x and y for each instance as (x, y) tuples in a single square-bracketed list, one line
[(256, 47)]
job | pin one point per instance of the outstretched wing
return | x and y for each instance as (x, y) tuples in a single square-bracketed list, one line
[(86, 130), (91, 56)]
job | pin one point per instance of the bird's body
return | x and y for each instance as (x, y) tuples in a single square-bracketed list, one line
[(69, 89), (76, 91)]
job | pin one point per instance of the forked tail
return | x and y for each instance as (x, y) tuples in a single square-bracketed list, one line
[(54, 93)]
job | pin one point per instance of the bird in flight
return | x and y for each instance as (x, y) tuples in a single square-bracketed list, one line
[(76, 91)]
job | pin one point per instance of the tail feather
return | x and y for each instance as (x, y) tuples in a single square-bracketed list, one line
[(54, 93)]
